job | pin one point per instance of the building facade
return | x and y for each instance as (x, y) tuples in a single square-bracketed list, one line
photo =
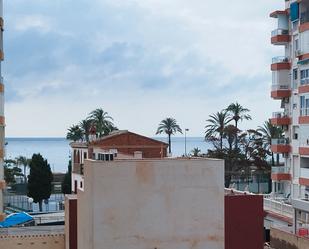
[(290, 86), (151, 203), (120, 144), (2, 119)]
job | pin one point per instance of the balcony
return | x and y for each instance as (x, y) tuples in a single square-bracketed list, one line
[(304, 86), (280, 37), (301, 203), (281, 145), (278, 207), (280, 63), (304, 21), (280, 91), (304, 176), (280, 118), (304, 116), (280, 174)]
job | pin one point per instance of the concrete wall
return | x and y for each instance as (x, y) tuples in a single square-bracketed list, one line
[(284, 240), (55, 241), (139, 204)]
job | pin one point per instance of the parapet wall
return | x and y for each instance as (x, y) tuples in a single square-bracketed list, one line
[(48, 241), (284, 240)]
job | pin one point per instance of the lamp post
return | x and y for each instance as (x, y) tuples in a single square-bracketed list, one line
[(186, 141)]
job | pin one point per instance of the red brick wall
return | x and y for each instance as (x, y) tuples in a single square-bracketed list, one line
[(128, 143), (244, 222)]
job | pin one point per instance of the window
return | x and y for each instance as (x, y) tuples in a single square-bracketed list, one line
[(85, 155), (295, 74), (304, 105)]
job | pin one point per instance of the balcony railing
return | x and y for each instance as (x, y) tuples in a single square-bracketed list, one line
[(304, 112), (278, 207), (280, 87), (280, 141), (279, 115), (280, 59), (279, 32), (304, 17), (304, 81), (279, 170), (304, 173)]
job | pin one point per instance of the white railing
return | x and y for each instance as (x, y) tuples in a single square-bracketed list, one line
[(304, 112), (280, 59), (279, 32), (280, 87), (304, 173), (304, 81), (279, 115), (282, 141), (277, 170), (278, 207)]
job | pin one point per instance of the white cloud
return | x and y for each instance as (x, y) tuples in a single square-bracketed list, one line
[(40, 23), (141, 60)]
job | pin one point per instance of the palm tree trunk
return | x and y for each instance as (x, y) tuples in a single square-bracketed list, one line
[(278, 159), (221, 141), (272, 159), (236, 139), (25, 177), (169, 144), (40, 205)]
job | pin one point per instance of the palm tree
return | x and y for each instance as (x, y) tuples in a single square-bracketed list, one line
[(215, 128), (85, 126), (102, 121), (75, 133), (196, 152), (230, 132), (22, 160), (169, 126), (270, 132), (238, 113)]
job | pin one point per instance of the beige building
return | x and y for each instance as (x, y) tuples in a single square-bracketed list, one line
[(151, 203)]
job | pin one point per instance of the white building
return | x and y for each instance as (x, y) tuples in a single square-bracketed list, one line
[(2, 119), (290, 85), (151, 203)]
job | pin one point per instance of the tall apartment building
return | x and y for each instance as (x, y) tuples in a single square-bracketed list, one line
[(290, 86), (2, 120)]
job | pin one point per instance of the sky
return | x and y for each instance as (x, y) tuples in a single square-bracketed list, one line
[(139, 60)]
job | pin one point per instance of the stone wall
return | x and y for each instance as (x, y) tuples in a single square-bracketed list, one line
[(48, 241)]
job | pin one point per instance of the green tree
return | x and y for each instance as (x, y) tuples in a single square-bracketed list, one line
[(24, 161), (238, 113), (39, 179), (85, 126), (270, 132), (102, 121), (75, 133), (170, 127), (11, 171), (196, 152), (67, 181), (215, 128)]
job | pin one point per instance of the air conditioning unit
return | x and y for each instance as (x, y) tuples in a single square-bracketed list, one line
[(298, 52)]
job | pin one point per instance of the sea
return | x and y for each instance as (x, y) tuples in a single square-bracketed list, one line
[(57, 150)]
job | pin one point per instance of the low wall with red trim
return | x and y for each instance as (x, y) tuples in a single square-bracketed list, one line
[(284, 240)]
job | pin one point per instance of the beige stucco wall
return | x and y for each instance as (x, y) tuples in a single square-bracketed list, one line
[(33, 242), (284, 240), (139, 204)]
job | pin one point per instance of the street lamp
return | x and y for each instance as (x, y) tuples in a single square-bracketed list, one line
[(186, 141)]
